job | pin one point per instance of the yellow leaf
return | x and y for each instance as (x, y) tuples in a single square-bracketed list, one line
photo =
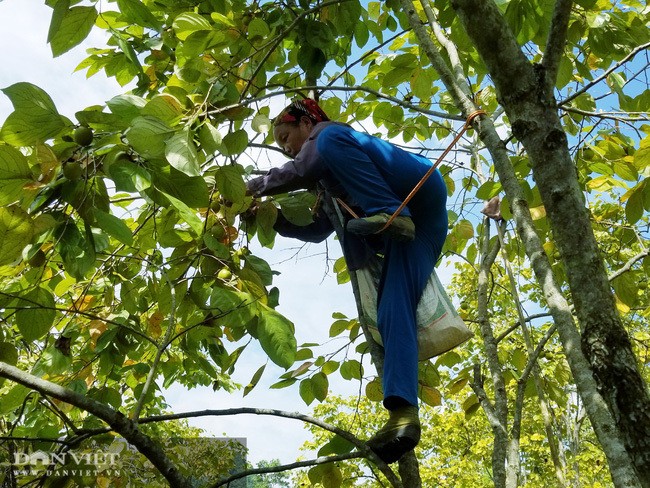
[(430, 396), (538, 212), (622, 308), (83, 303), (155, 322), (96, 329)]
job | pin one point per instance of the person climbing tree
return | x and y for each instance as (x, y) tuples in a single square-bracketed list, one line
[(373, 177)]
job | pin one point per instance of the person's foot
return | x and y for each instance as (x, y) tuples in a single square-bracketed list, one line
[(401, 229), (398, 436)]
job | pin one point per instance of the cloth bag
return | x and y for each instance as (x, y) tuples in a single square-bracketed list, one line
[(440, 328)]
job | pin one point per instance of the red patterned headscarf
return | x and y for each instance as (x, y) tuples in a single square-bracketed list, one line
[(301, 108)]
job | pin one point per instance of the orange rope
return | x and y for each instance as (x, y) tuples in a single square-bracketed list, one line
[(467, 125)]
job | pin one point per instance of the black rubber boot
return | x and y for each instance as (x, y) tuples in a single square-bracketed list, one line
[(398, 436)]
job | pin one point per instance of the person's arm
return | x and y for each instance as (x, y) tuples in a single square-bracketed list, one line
[(319, 230), (303, 172)]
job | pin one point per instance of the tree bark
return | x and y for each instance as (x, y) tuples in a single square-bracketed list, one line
[(522, 91)]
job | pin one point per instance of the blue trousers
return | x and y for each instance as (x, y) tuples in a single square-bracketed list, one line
[(378, 176)]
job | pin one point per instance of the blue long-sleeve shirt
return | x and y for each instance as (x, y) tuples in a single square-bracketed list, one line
[(309, 171)]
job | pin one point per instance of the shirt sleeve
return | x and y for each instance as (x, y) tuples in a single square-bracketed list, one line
[(301, 173)]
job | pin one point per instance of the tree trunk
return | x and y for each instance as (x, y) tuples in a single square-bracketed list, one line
[(522, 91)]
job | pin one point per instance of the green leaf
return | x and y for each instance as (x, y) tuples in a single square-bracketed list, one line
[(210, 138), (70, 27), (126, 107), (642, 155), (13, 399), (465, 229), (188, 23), (320, 386), (17, 228), (165, 107), (351, 369), (129, 176), (230, 183), (187, 214), (8, 353), (14, 174), (276, 336), (191, 190), (332, 476), (488, 190), (625, 170), (634, 206), (261, 123), (113, 226), (37, 316), (319, 34), (35, 118), (236, 308), (306, 391), (128, 51), (136, 12), (312, 60), (77, 252), (361, 34), (258, 28), (254, 380), (147, 135), (297, 208), (336, 445), (626, 288), (234, 143), (222, 19), (181, 153), (266, 216)]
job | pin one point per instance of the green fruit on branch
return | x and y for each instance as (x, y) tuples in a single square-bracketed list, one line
[(83, 135), (37, 260), (72, 170), (224, 274)]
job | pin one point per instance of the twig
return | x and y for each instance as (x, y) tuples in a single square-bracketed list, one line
[(605, 74), (376, 93)]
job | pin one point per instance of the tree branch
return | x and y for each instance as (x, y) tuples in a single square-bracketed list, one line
[(325, 88), (605, 74), (118, 422), (628, 266), (555, 44), (287, 467)]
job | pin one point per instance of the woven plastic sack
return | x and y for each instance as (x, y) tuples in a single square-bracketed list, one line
[(440, 328)]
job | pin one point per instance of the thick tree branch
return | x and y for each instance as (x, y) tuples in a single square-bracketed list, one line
[(508, 66), (555, 44), (118, 422)]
